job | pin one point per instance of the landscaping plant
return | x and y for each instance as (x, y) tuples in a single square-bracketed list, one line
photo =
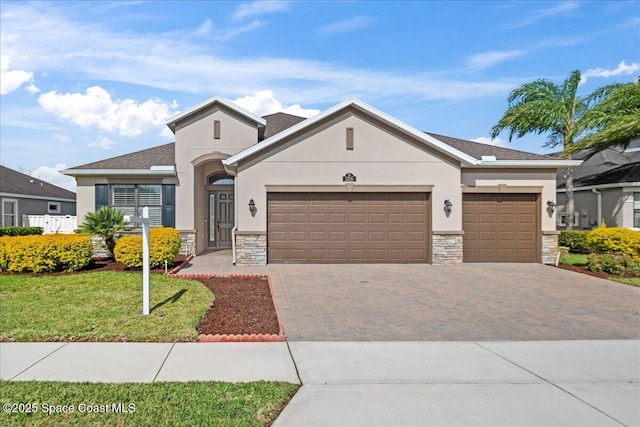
[(165, 246), (41, 254), (20, 231), (575, 240), (615, 240), (105, 222)]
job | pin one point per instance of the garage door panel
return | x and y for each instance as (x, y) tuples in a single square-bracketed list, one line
[(500, 228), (354, 227)]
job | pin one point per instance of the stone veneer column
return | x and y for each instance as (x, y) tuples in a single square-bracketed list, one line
[(446, 247), (549, 246), (251, 248), (188, 246)]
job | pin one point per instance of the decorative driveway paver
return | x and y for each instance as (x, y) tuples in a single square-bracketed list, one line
[(422, 302)]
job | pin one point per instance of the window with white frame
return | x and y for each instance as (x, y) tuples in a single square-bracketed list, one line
[(131, 198), (53, 207), (9, 212), (636, 209)]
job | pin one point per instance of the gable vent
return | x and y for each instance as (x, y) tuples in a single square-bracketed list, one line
[(216, 129), (349, 138)]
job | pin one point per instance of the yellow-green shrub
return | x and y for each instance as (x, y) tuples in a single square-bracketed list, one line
[(41, 254), (165, 245), (615, 240)]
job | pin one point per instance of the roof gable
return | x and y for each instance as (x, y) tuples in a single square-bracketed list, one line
[(195, 109), (14, 182)]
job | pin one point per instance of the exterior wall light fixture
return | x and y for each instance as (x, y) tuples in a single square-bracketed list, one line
[(447, 206), (551, 205)]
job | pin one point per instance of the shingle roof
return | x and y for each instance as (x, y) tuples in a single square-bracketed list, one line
[(162, 155), (605, 167), (277, 122), (15, 182), (477, 149)]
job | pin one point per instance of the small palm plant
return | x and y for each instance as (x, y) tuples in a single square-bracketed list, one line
[(105, 222)]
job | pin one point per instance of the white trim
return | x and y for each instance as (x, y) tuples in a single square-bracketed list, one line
[(16, 217), (366, 108), (622, 185), (153, 171), (208, 102), (529, 163), (27, 196)]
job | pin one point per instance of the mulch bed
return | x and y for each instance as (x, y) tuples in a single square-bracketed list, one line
[(242, 305), (585, 270)]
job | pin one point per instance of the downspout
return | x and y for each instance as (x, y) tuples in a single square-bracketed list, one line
[(599, 194), (235, 224)]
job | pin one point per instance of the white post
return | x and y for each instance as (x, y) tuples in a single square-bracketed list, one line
[(145, 261), (146, 222)]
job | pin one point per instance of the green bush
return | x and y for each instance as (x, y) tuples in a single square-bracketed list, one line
[(575, 240), (613, 264), (20, 231), (615, 240), (42, 254), (165, 246)]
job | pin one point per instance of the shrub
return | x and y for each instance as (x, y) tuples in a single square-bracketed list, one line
[(20, 231), (165, 246), (105, 222), (615, 240), (613, 264), (41, 254), (575, 240)]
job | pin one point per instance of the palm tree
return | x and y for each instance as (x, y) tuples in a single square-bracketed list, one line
[(615, 116), (542, 106), (105, 222)]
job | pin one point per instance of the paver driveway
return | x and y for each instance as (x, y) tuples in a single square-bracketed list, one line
[(469, 302)]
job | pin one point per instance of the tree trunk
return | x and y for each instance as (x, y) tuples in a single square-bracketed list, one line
[(569, 206)]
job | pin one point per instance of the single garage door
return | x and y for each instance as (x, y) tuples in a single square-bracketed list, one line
[(348, 228), (500, 227)]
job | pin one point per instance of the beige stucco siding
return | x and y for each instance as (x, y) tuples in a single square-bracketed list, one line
[(545, 178), (195, 145), (381, 157)]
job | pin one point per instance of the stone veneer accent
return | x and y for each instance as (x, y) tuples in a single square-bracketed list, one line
[(188, 246), (99, 247), (447, 248), (251, 248), (549, 246)]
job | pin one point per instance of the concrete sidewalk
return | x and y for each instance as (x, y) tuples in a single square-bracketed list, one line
[(540, 383)]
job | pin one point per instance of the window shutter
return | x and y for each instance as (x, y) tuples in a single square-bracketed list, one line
[(168, 205), (102, 195)]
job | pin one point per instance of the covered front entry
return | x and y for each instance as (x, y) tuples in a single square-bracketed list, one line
[(220, 218), (500, 227), (348, 228)]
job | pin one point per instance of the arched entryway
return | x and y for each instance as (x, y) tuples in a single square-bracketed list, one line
[(220, 210)]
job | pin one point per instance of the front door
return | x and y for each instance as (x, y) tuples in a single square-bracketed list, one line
[(221, 218)]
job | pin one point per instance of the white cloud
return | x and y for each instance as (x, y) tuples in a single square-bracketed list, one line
[(496, 141), (621, 69), (263, 102), (50, 174), (61, 137), (95, 108), (348, 25), (485, 60), (11, 80), (259, 8), (103, 142), (535, 16)]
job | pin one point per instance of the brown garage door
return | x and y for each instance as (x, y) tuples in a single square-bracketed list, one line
[(348, 227), (500, 227)]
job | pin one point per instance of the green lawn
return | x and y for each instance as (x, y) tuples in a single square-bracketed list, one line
[(155, 404), (579, 260), (99, 306), (633, 281)]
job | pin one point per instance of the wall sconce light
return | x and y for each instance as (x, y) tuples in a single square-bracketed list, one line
[(447, 206), (252, 205), (551, 206)]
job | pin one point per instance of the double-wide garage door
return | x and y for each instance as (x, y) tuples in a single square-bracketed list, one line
[(500, 227), (348, 228)]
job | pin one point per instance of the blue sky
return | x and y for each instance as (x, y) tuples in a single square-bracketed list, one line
[(83, 81)]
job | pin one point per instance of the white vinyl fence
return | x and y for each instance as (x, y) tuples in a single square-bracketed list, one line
[(65, 224)]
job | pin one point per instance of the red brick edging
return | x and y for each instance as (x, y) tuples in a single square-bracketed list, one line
[(175, 270), (279, 337)]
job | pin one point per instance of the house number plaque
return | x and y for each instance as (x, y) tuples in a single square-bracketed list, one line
[(349, 177)]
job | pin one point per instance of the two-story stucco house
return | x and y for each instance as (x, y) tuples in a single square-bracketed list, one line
[(350, 185)]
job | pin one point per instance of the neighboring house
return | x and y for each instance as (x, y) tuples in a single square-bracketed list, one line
[(22, 194), (606, 187), (350, 185)]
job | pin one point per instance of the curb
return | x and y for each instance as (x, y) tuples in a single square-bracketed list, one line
[(279, 337)]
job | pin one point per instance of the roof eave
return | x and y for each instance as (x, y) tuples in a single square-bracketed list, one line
[(173, 120), (558, 164), (154, 171), (362, 106)]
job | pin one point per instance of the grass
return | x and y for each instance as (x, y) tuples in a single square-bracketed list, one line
[(579, 260), (155, 404), (633, 281), (99, 306)]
